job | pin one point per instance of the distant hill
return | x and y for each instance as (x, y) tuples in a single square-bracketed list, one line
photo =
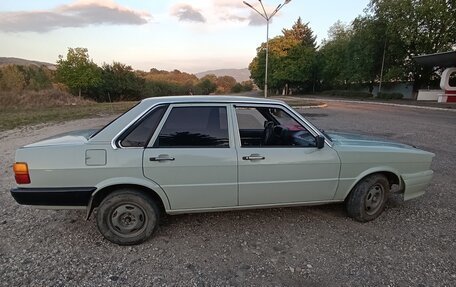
[(24, 62), (239, 74)]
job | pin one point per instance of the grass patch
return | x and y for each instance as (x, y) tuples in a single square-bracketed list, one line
[(18, 117), (39, 99)]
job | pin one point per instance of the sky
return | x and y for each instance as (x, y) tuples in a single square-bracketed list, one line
[(191, 36)]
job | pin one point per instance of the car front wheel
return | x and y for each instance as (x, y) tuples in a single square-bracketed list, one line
[(368, 198), (127, 217)]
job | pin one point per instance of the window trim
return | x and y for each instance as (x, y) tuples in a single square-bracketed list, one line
[(116, 142), (289, 112), (234, 137), (135, 124), (231, 144)]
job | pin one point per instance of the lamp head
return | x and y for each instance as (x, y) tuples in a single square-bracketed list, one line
[(247, 4)]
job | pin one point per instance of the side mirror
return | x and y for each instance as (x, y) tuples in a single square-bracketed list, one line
[(320, 141)]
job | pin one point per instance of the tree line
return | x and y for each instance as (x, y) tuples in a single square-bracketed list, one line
[(19, 78), (389, 34), (77, 73)]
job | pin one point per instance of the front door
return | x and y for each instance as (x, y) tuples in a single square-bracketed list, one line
[(193, 158), (279, 162)]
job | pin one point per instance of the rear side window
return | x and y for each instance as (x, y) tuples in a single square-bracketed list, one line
[(195, 127), (140, 134)]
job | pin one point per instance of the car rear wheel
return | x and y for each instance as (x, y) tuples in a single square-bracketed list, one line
[(368, 198), (127, 217)]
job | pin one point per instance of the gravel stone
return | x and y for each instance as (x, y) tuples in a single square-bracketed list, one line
[(411, 244)]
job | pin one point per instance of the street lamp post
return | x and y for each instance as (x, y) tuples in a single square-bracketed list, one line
[(267, 18)]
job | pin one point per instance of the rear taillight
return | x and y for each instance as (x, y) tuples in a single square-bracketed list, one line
[(21, 173)]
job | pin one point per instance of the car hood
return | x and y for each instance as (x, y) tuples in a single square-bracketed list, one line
[(69, 138), (349, 139)]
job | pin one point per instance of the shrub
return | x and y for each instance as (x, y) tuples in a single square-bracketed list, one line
[(390, 96), (347, 94)]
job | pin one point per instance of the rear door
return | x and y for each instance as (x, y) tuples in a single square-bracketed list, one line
[(193, 158)]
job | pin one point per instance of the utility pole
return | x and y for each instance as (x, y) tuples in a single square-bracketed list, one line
[(267, 17)]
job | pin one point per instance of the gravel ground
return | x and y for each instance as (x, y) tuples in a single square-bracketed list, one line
[(411, 244)]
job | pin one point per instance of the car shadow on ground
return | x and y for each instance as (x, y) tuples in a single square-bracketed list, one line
[(225, 222), (257, 216)]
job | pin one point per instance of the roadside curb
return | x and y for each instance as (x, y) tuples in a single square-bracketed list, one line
[(309, 107), (386, 104)]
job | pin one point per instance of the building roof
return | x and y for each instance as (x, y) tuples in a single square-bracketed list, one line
[(444, 60)]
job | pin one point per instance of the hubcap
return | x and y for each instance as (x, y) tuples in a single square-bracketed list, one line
[(374, 199), (128, 219)]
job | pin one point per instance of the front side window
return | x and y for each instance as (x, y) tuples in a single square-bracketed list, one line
[(204, 126), (271, 127)]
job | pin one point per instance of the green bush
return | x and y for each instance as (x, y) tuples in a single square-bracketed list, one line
[(347, 94), (390, 96)]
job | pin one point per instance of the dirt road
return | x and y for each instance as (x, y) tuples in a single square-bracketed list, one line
[(411, 244)]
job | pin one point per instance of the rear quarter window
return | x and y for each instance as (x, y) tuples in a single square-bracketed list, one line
[(139, 134)]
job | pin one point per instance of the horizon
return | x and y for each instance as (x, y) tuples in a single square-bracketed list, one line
[(191, 37), (55, 64)]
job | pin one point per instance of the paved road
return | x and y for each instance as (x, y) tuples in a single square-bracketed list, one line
[(411, 244)]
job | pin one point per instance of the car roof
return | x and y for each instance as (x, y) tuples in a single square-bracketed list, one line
[(119, 124), (209, 99)]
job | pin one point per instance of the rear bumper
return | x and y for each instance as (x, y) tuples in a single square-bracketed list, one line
[(74, 196), (416, 183)]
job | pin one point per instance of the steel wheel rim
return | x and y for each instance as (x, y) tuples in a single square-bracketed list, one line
[(374, 199), (127, 219)]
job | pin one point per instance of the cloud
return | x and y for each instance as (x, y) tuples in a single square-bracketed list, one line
[(236, 11), (256, 20), (219, 12), (78, 14), (228, 3), (185, 12), (253, 19)]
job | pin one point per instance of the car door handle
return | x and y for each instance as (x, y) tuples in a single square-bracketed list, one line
[(254, 156), (162, 157)]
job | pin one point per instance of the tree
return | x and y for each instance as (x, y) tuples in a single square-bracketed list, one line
[(418, 27), (301, 32), (294, 72), (38, 78), (207, 85), (353, 55), (366, 49), (225, 84), (12, 78), (77, 71), (18, 78), (120, 82), (291, 60), (334, 58), (247, 86)]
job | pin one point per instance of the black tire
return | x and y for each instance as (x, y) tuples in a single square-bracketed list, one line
[(367, 199), (127, 217)]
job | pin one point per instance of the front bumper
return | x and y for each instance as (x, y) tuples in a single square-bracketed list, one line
[(73, 196), (416, 183)]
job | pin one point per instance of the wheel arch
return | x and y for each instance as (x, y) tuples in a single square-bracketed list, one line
[(149, 188), (391, 174)]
